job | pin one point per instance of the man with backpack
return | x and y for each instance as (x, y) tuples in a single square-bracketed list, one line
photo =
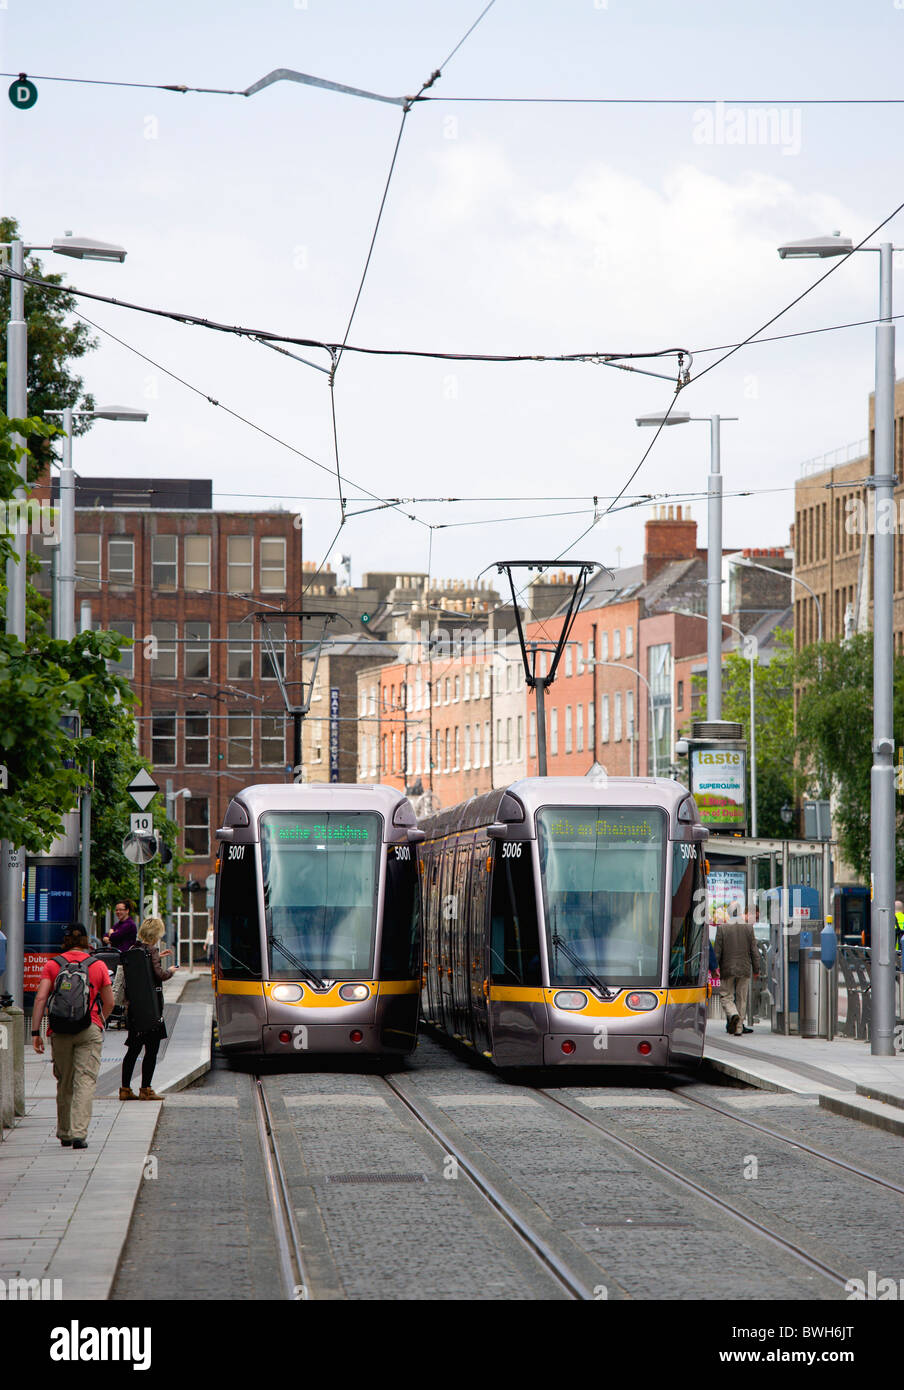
[(76, 993)]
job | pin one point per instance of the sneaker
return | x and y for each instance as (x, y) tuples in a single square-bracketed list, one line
[(126, 1093), (80, 1143), (745, 1029)]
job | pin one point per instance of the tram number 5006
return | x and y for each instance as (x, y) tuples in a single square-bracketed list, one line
[(511, 849)]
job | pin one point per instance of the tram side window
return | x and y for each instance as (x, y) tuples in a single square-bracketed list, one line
[(238, 926), (515, 940), (400, 949), (689, 940)]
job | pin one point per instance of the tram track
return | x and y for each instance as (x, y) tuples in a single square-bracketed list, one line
[(699, 1190), (293, 1274)]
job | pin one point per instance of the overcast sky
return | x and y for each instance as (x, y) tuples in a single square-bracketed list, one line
[(508, 228)]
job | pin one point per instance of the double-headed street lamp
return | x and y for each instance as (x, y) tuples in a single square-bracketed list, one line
[(882, 783), (64, 594), (12, 865), (713, 549)]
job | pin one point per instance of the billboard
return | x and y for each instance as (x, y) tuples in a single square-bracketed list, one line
[(719, 785)]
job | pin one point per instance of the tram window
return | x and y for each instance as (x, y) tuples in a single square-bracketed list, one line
[(515, 940), (238, 926), (688, 916), (320, 890), (400, 949)]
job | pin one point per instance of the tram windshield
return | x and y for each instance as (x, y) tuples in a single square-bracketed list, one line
[(601, 870), (320, 892)]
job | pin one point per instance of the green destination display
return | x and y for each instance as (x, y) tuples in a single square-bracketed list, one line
[(616, 826), (341, 831)]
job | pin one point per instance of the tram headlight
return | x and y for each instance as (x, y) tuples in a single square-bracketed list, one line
[(642, 1000), (570, 999), (286, 994), (355, 994)]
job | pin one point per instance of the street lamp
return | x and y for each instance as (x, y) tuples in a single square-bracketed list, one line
[(713, 549), (882, 784), (64, 613), (783, 574), (12, 864)]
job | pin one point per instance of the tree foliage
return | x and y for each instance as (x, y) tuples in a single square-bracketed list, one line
[(54, 342)]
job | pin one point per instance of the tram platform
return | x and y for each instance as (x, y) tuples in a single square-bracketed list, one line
[(842, 1075), (64, 1213)]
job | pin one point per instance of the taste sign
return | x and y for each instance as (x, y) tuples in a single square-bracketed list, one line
[(719, 785)]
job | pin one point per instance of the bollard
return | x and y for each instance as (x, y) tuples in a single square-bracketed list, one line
[(7, 1082), (18, 1041)]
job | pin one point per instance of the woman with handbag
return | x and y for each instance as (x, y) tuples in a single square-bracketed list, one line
[(143, 977)]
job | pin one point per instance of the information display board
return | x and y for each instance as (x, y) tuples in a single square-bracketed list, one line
[(719, 785)]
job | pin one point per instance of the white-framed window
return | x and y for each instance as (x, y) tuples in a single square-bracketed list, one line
[(165, 663), (125, 666), (629, 641), (268, 671), (273, 740), (499, 754), (197, 650), (466, 691), (197, 738), (164, 563), (604, 646), (532, 735), (273, 564), (629, 713), (568, 662), (457, 694), (196, 553), (579, 728), (509, 672), (197, 826), (519, 745), (477, 745), (449, 750), (618, 723), (163, 738), (240, 564), (467, 746), (604, 720), (616, 644), (121, 561), (239, 751), (508, 740), (87, 561), (568, 730), (591, 725), (554, 731), (457, 747), (487, 743), (590, 652), (239, 651)]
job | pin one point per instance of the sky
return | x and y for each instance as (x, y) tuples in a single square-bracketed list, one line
[(509, 227)]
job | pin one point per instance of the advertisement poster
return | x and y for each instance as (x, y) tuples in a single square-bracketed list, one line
[(719, 785), (726, 894)]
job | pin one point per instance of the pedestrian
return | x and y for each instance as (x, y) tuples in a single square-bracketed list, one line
[(899, 923), (144, 975), (78, 999), (738, 958), (208, 945), (125, 929)]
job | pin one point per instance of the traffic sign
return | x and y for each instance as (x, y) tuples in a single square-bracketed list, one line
[(142, 789), (139, 849), (23, 94), (141, 823)]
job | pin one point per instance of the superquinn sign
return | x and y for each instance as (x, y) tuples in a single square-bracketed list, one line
[(719, 785)]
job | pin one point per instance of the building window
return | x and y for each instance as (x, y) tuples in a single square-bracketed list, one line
[(604, 720), (466, 693), (87, 561), (568, 666), (273, 565), (165, 665), (197, 650), (448, 687), (268, 671), (238, 741), (487, 743), (616, 644), (448, 750), (579, 730), (508, 740), (568, 730), (532, 735), (591, 726), (125, 666), (240, 564), (197, 562), (681, 694), (163, 739), (486, 682), (554, 732), (467, 746), (617, 733), (629, 641), (197, 826), (519, 747), (457, 747), (197, 739), (477, 745), (239, 652), (121, 561), (273, 740), (457, 694), (629, 714), (604, 646), (164, 563), (43, 579), (660, 678)]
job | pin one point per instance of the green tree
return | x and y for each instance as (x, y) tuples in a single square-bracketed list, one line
[(834, 722), (779, 778), (54, 342)]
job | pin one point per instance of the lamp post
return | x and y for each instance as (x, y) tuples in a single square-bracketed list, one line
[(713, 548), (64, 595), (12, 858), (882, 783), (783, 574)]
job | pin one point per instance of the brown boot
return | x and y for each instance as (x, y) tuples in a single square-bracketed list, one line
[(126, 1093), (148, 1093)]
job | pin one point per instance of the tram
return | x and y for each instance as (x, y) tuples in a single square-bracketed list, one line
[(317, 943), (565, 923)]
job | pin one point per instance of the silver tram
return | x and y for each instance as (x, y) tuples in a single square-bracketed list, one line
[(316, 921), (564, 923)]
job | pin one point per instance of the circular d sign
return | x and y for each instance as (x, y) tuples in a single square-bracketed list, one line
[(23, 93)]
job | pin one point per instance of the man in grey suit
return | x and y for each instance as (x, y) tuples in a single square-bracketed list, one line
[(738, 958)]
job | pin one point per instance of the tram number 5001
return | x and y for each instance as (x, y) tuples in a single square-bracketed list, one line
[(511, 849), (236, 852), (403, 852)]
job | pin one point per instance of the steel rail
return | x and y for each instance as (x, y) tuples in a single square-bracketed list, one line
[(795, 1143), (535, 1243), (288, 1241), (659, 1166)]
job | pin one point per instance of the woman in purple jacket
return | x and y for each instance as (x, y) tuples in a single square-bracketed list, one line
[(125, 932)]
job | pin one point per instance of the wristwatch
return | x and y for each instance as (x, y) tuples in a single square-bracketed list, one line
[(35, 1032)]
